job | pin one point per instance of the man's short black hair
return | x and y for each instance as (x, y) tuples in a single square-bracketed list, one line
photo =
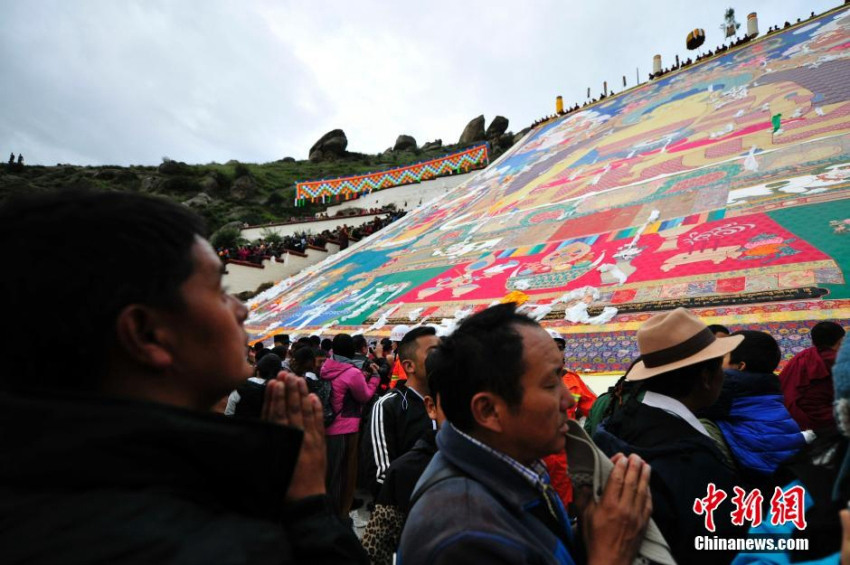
[(343, 344), (717, 328), (303, 360), (282, 338), (483, 354), (88, 255), (315, 341), (407, 346), (826, 334), (259, 346), (326, 345), (269, 366), (759, 351), (359, 343)]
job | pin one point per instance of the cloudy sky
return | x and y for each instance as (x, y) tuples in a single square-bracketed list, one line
[(128, 82)]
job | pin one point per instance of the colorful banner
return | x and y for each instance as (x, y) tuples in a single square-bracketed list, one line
[(473, 158)]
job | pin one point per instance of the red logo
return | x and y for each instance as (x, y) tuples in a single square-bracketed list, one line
[(786, 506)]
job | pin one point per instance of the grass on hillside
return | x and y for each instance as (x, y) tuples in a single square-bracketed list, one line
[(272, 199)]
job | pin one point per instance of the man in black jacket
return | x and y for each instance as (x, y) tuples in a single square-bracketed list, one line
[(679, 375), (393, 501), (111, 453), (398, 419)]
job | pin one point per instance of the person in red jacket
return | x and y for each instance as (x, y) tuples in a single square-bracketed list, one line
[(582, 401), (807, 379), (397, 375)]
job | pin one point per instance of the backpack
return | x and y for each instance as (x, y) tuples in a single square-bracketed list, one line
[(322, 389), (251, 396)]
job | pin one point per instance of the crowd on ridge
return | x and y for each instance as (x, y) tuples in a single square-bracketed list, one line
[(260, 250), (679, 65), (319, 216), (478, 446)]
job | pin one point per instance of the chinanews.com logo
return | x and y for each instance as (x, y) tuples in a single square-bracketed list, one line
[(787, 511)]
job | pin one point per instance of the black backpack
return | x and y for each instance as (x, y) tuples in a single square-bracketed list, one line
[(323, 389), (251, 395)]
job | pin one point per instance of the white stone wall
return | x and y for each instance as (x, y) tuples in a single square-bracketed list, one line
[(405, 197), (241, 278)]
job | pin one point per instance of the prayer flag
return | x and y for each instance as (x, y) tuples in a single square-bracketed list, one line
[(777, 122)]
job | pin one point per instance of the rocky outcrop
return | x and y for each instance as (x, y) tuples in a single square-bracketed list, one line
[(520, 134), (117, 175), (474, 131), (243, 188), (288, 160), (330, 146), (151, 184), (432, 145), (169, 167), (503, 142), (497, 127), (404, 143), (210, 185), (201, 200)]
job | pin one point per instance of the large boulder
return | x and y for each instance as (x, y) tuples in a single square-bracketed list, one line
[(404, 143), (330, 146), (474, 131), (210, 184), (497, 127), (201, 200), (431, 145), (504, 141), (234, 225), (105, 174), (243, 188), (180, 184), (152, 184), (169, 167), (520, 134)]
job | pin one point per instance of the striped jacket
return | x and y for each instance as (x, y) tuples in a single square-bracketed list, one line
[(397, 420)]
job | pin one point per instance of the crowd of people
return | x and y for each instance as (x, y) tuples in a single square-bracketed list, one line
[(260, 250), (688, 62), (324, 215), (471, 443)]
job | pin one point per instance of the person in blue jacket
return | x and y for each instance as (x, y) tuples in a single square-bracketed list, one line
[(750, 411)]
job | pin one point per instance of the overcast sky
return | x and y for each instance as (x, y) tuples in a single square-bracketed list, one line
[(128, 82)]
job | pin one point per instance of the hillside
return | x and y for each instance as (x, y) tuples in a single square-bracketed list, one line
[(233, 192)]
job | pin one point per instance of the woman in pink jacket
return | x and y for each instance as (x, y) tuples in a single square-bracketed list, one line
[(351, 389)]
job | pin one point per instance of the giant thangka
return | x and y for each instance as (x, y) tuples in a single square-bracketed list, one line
[(722, 187)]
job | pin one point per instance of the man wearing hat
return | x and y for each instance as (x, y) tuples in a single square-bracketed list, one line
[(281, 345), (680, 373)]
